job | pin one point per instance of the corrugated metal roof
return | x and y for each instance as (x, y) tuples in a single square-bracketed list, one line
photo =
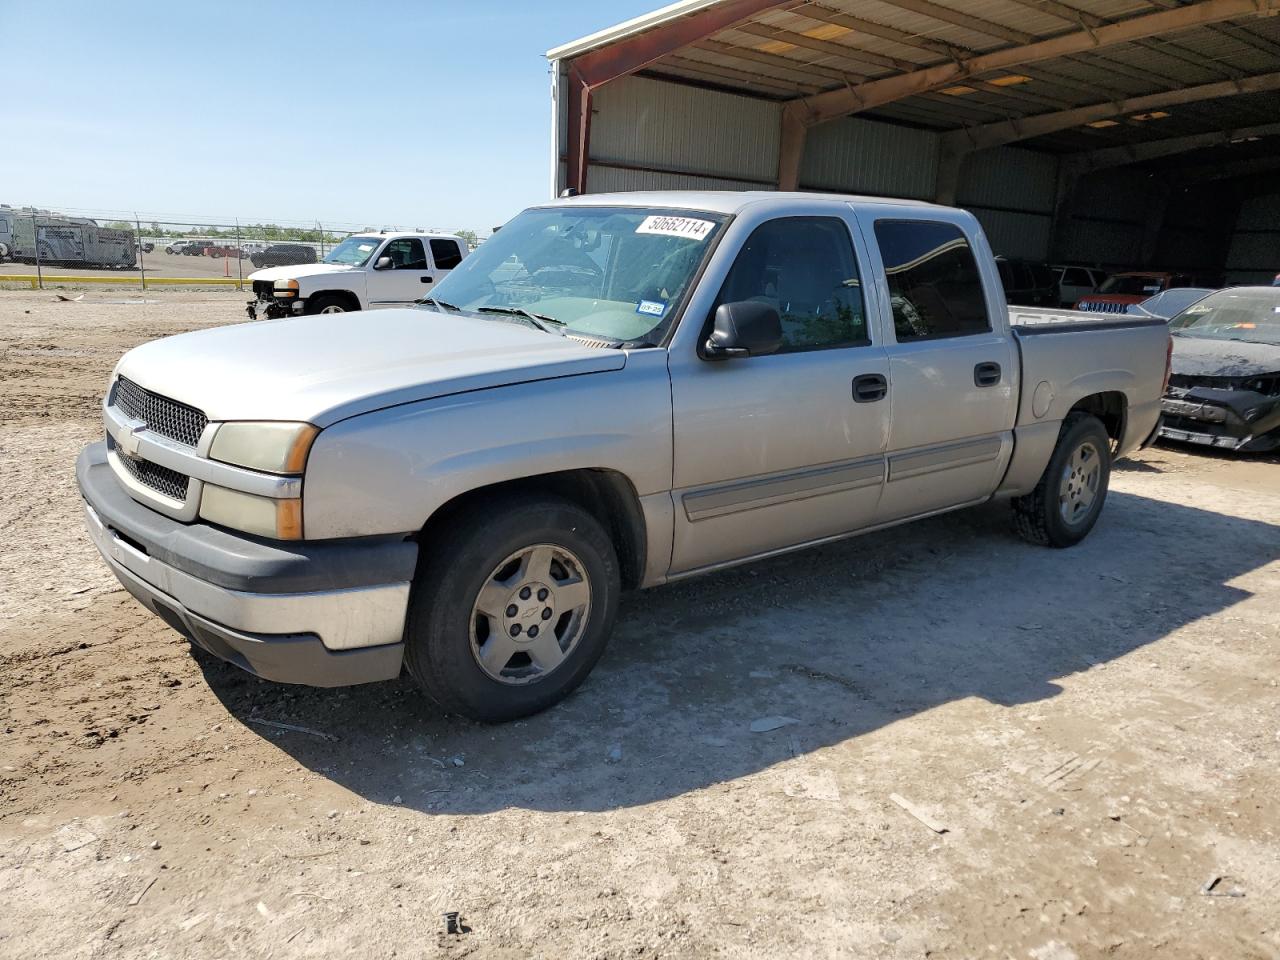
[(799, 49)]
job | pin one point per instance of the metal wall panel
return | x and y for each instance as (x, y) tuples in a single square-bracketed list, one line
[(863, 156), (1103, 243), (650, 123), (1254, 254), (1008, 178), (1260, 213), (1120, 194), (1014, 234)]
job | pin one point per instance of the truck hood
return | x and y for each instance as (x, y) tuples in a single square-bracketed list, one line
[(299, 271), (1202, 357), (328, 367)]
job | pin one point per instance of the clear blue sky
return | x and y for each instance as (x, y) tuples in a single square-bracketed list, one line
[(409, 113)]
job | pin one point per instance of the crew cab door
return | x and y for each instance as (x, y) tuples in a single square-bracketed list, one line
[(953, 366), (408, 278), (778, 450)]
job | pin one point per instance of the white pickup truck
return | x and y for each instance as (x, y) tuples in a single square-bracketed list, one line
[(363, 272), (615, 391)]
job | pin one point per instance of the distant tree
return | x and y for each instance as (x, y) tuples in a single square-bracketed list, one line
[(467, 235)]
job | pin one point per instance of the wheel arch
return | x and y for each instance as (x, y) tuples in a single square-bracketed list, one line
[(606, 494), (1109, 406), (349, 297)]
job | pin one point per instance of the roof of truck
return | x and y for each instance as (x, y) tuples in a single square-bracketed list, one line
[(384, 234), (718, 201)]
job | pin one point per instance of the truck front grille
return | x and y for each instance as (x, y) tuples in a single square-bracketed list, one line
[(262, 289), (169, 418), (162, 480)]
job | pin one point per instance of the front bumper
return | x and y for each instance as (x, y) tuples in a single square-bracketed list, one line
[(1226, 420), (325, 613), (272, 309)]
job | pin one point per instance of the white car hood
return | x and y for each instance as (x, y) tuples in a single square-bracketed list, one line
[(299, 271), (327, 367)]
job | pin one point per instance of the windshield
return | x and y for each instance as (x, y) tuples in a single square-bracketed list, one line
[(1132, 286), (615, 272), (1170, 302), (1241, 314), (353, 251)]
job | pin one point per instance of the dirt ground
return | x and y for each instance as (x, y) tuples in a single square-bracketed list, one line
[(1096, 730)]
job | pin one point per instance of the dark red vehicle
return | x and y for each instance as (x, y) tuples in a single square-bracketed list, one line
[(1120, 290)]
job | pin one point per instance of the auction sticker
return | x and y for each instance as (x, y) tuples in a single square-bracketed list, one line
[(687, 227), (653, 308)]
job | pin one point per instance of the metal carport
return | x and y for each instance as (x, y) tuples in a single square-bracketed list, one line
[(1116, 132)]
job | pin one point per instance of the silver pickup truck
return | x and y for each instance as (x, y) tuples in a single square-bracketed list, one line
[(614, 392)]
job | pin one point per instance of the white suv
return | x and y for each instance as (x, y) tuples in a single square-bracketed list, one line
[(363, 272)]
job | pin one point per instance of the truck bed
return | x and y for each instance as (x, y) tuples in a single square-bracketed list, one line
[(1028, 319)]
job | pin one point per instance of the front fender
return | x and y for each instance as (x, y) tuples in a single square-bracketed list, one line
[(390, 470)]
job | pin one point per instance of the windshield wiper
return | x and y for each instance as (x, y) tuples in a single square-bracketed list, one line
[(539, 320), (442, 304)]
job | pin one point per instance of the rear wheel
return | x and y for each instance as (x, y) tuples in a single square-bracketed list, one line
[(1065, 504), (512, 607)]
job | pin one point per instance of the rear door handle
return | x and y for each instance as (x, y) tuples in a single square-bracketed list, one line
[(425, 279), (869, 388), (986, 374)]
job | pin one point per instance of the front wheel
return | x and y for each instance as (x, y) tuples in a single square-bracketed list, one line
[(1065, 504), (328, 303), (512, 606)]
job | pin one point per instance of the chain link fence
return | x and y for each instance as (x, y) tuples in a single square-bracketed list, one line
[(41, 248)]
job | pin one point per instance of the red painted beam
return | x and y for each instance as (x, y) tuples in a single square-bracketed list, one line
[(591, 70), (636, 52)]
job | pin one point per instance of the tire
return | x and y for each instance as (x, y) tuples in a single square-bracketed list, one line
[(1065, 504), (542, 544), (328, 303)]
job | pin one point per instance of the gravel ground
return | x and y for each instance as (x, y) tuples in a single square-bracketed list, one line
[(1096, 730)]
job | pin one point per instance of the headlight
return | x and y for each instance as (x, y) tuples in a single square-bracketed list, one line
[(285, 288), (263, 516), (268, 445)]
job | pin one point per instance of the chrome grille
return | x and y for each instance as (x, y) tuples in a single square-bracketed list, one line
[(169, 418), (162, 480), (1092, 306)]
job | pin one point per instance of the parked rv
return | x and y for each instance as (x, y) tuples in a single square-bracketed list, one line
[(64, 241)]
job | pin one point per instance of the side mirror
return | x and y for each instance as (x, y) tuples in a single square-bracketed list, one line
[(747, 328), (383, 263)]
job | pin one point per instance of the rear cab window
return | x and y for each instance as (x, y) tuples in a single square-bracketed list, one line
[(935, 288), (445, 253)]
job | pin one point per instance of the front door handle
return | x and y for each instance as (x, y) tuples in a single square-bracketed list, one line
[(425, 279), (869, 388), (986, 374)]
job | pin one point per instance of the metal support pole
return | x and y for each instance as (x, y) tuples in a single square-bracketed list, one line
[(142, 263), (35, 239), (239, 258)]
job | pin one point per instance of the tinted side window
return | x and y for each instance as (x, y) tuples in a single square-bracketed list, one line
[(446, 254), (1075, 277), (934, 284), (1043, 275), (406, 253), (805, 267)]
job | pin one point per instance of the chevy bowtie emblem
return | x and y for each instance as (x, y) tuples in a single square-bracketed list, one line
[(128, 439)]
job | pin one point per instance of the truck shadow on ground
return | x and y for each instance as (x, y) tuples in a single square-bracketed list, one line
[(844, 639)]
